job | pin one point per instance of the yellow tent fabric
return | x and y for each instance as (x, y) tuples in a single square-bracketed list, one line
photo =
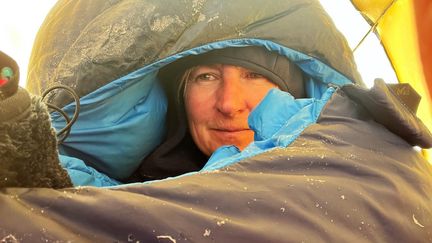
[(404, 29)]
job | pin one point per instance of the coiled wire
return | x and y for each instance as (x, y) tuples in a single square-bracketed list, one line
[(65, 131)]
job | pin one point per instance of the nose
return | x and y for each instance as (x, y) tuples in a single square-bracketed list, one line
[(231, 99)]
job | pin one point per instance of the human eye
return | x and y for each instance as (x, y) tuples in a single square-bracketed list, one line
[(204, 74), (204, 77), (254, 75)]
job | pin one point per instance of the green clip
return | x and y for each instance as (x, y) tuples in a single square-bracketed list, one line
[(7, 73)]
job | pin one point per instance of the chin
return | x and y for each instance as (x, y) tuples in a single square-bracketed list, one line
[(239, 145)]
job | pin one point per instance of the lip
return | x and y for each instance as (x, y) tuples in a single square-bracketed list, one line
[(230, 133), (230, 129)]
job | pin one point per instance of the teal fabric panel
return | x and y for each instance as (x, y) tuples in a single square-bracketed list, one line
[(118, 125), (83, 175)]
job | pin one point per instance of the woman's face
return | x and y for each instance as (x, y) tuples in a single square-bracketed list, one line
[(218, 100)]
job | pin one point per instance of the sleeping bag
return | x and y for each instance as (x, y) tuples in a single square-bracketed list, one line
[(336, 166)]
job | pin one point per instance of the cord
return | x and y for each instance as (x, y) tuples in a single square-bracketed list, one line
[(65, 131)]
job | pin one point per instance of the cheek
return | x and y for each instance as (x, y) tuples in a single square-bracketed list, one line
[(256, 95), (199, 114), (196, 105)]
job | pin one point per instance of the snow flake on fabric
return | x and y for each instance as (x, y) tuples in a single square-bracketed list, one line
[(160, 24)]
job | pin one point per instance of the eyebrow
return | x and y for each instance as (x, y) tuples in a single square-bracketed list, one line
[(216, 65)]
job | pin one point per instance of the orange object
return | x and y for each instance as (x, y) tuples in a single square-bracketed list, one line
[(405, 31), (423, 13)]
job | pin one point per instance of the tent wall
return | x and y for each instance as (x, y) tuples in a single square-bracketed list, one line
[(405, 31)]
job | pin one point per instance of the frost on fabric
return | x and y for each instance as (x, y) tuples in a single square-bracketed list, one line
[(207, 232), (213, 18), (197, 5), (201, 17), (160, 24), (131, 238), (166, 237), (416, 221), (9, 239), (220, 223)]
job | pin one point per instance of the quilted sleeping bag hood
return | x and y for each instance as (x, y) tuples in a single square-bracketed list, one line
[(105, 49)]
